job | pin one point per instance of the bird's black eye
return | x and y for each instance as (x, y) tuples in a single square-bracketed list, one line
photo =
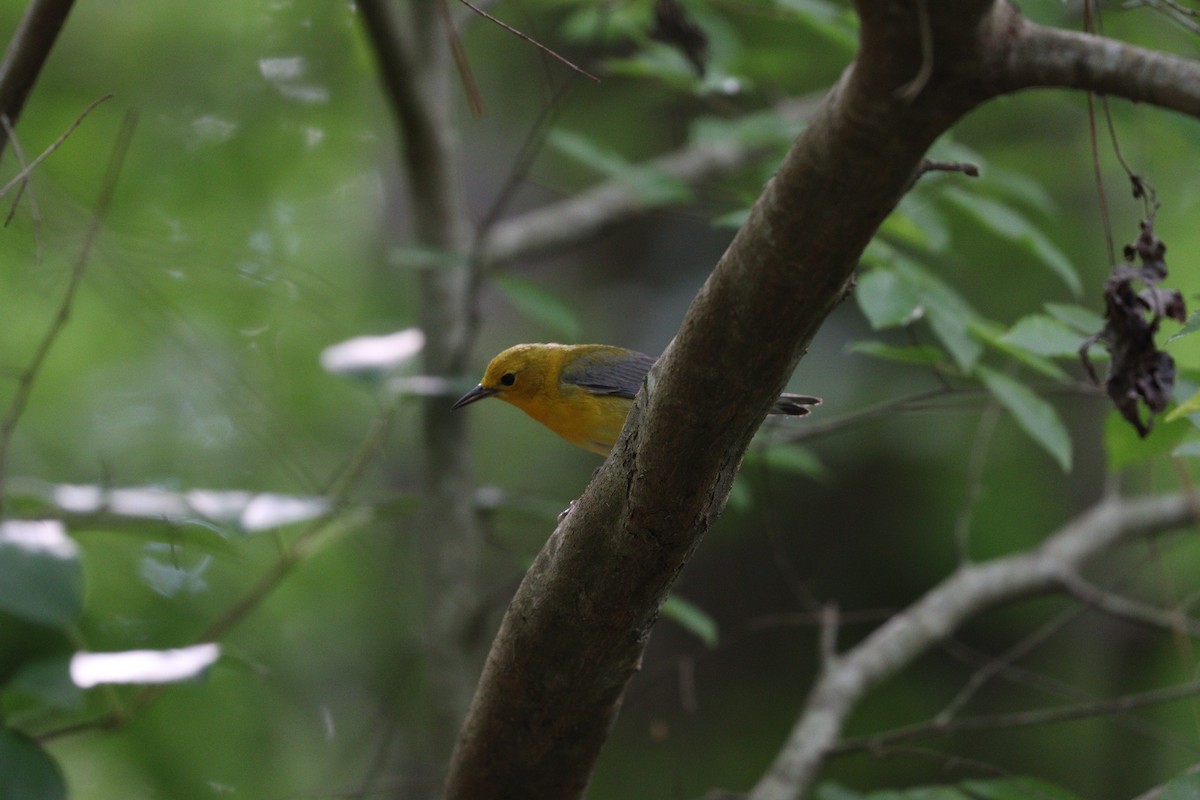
[(508, 379)]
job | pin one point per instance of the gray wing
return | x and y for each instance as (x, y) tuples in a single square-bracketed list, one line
[(610, 374)]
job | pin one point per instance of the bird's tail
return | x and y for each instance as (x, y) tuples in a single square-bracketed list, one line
[(794, 405)]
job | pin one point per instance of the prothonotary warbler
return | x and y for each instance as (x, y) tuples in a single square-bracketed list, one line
[(582, 392)]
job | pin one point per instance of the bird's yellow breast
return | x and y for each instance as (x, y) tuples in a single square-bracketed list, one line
[(590, 421)]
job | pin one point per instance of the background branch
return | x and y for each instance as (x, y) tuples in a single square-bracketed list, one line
[(968, 591), (416, 69), (581, 216), (25, 383)]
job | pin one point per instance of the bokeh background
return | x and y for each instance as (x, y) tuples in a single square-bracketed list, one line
[(256, 222)]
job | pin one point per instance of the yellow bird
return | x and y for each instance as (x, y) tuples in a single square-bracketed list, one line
[(582, 392)]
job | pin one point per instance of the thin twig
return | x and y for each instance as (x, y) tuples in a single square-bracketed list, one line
[(35, 214), (474, 98), (1002, 663), (529, 39), (1020, 719), (1156, 792), (289, 558), (23, 174), (976, 464), (1094, 143), (26, 381), (1174, 621), (933, 618), (938, 165)]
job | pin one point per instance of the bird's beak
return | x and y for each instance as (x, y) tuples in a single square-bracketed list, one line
[(478, 393)]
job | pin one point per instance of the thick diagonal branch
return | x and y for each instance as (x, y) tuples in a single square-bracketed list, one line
[(574, 633)]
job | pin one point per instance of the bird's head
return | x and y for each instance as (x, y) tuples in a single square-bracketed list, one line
[(519, 375)]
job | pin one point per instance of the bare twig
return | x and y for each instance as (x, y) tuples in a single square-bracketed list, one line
[(969, 590), (938, 165), (577, 218), (1020, 719), (1003, 662), (474, 98), (29, 376), (1174, 621), (976, 464), (35, 213), (23, 175), (1156, 792), (529, 39), (292, 555)]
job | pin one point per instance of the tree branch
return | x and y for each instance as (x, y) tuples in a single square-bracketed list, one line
[(416, 68), (26, 55), (586, 214), (574, 633), (968, 591), (29, 375), (1024, 55)]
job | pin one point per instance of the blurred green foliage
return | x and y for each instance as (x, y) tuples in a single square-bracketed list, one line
[(256, 222)]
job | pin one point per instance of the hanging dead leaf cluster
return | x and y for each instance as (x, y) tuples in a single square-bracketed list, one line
[(1139, 372)]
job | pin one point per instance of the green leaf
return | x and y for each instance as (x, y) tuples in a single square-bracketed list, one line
[(949, 314), (41, 577), (585, 151), (1184, 409), (992, 335), (1044, 336), (761, 129), (49, 680), (656, 61), (1022, 188), (955, 335), (1185, 787), (900, 228), (1033, 414), (422, 258), (1010, 224), (541, 306), (823, 19), (594, 24), (833, 791), (1126, 449), (886, 299), (1082, 319), (692, 619), (929, 219), (1016, 787), (27, 772), (1191, 326), (655, 187), (922, 355), (791, 458), (732, 219), (652, 186)]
